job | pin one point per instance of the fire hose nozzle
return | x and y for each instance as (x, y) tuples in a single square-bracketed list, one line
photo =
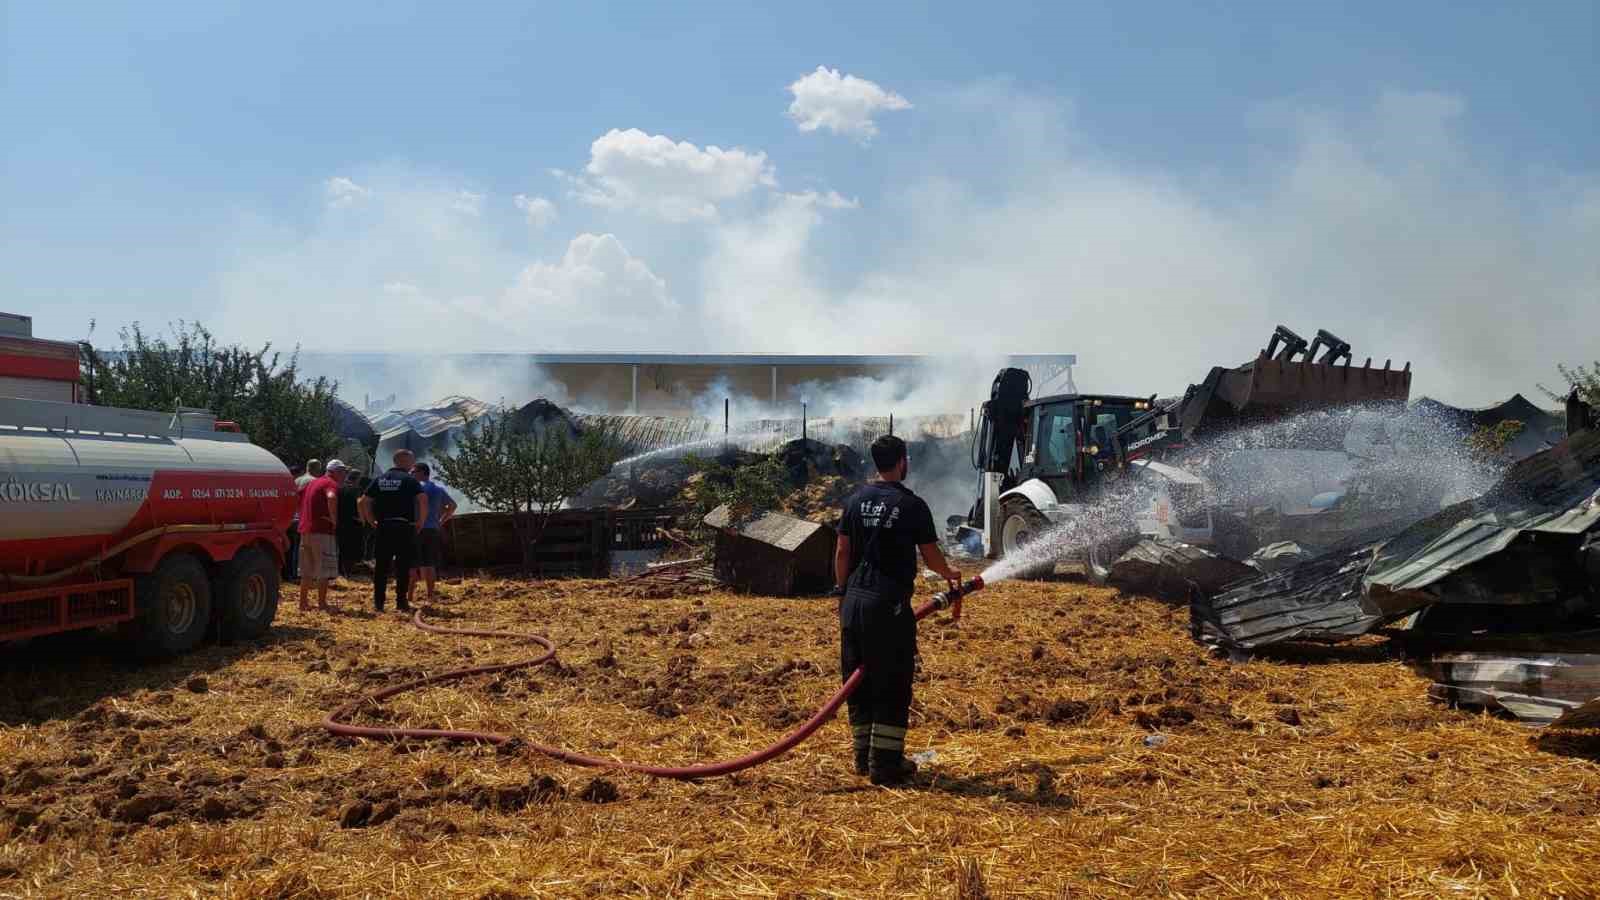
[(952, 597)]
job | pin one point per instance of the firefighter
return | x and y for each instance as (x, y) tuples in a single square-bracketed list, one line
[(884, 528)]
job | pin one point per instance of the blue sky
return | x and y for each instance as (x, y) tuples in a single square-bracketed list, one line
[(1090, 167)]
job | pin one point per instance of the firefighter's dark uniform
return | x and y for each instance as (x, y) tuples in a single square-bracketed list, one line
[(885, 523), (394, 505)]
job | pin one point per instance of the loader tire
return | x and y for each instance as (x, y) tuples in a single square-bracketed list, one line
[(248, 595), (172, 609), (1021, 523), (1102, 555)]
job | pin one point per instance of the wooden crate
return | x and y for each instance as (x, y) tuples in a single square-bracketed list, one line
[(576, 542)]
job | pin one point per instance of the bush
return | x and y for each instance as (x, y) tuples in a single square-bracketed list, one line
[(749, 485), (1490, 441), (290, 416)]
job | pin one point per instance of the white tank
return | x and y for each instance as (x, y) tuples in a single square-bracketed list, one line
[(71, 471)]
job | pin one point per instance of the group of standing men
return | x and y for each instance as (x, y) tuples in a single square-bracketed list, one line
[(404, 506)]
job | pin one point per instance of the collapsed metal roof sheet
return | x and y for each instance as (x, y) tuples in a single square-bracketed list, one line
[(1554, 492), (451, 412), (1515, 408), (1540, 688), (352, 424), (642, 433), (1319, 600)]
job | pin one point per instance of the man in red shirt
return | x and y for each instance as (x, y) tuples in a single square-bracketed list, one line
[(319, 546)]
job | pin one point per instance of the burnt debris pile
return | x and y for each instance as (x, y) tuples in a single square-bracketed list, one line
[(1496, 598)]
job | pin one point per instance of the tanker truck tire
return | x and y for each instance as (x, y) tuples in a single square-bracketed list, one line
[(173, 609), (248, 596), (1020, 524)]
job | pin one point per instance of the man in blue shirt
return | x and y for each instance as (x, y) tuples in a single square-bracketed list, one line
[(430, 540)]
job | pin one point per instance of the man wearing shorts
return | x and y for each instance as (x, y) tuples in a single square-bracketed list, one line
[(319, 545), (430, 540)]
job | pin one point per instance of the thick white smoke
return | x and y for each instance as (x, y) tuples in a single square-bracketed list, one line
[(1006, 228)]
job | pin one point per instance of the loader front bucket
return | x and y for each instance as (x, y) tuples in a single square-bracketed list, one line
[(1269, 388)]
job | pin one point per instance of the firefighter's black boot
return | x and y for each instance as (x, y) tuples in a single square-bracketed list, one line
[(890, 767), (888, 764)]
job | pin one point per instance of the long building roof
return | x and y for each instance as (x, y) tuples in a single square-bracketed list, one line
[(726, 359)]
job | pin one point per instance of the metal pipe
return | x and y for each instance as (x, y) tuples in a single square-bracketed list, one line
[(142, 537)]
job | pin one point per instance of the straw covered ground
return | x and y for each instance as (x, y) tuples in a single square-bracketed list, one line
[(1315, 772)]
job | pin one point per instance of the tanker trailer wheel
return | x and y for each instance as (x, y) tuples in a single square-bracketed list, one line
[(248, 595), (1021, 524), (173, 608)]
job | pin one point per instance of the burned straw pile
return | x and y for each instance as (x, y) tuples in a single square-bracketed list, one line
[(1085, 747)]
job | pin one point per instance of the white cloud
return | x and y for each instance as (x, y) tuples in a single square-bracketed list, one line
[(675, 180), (843, 104), (467, 203), (597, 277), (414, 272), (541, 213), (825, 199), (341, 191)]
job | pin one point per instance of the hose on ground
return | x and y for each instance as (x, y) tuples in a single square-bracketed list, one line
[(338, 722)]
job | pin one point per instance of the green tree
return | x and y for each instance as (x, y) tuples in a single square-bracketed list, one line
[(748, 486), (288, 415), (527, 472), (1586, 378)]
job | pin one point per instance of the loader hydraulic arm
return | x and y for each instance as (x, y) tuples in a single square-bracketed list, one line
[(1002, 421)]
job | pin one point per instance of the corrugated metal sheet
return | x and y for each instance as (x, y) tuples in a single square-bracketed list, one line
[(1539, 688), (352, 424), (643, 434), (1172, 569), (1554, 492), (1541, 428), (1318, 601), (427, 422)]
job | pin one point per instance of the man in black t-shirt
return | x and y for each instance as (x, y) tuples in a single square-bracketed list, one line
[(885, 527), (396, 505), (350, 530)]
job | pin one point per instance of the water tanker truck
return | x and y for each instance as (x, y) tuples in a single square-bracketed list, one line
[(167, 526)]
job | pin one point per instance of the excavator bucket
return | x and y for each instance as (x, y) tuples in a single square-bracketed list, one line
[(1290, 377)]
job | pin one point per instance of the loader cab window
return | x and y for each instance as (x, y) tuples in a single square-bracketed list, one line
[(1106, 418), (1056, 434)]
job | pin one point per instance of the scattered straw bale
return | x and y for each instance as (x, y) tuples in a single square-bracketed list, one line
[(1310, 771)]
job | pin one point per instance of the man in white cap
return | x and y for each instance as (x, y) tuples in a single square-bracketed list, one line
[(319, 545)]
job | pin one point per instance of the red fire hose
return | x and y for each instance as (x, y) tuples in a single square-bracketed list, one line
[(337, 721)]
